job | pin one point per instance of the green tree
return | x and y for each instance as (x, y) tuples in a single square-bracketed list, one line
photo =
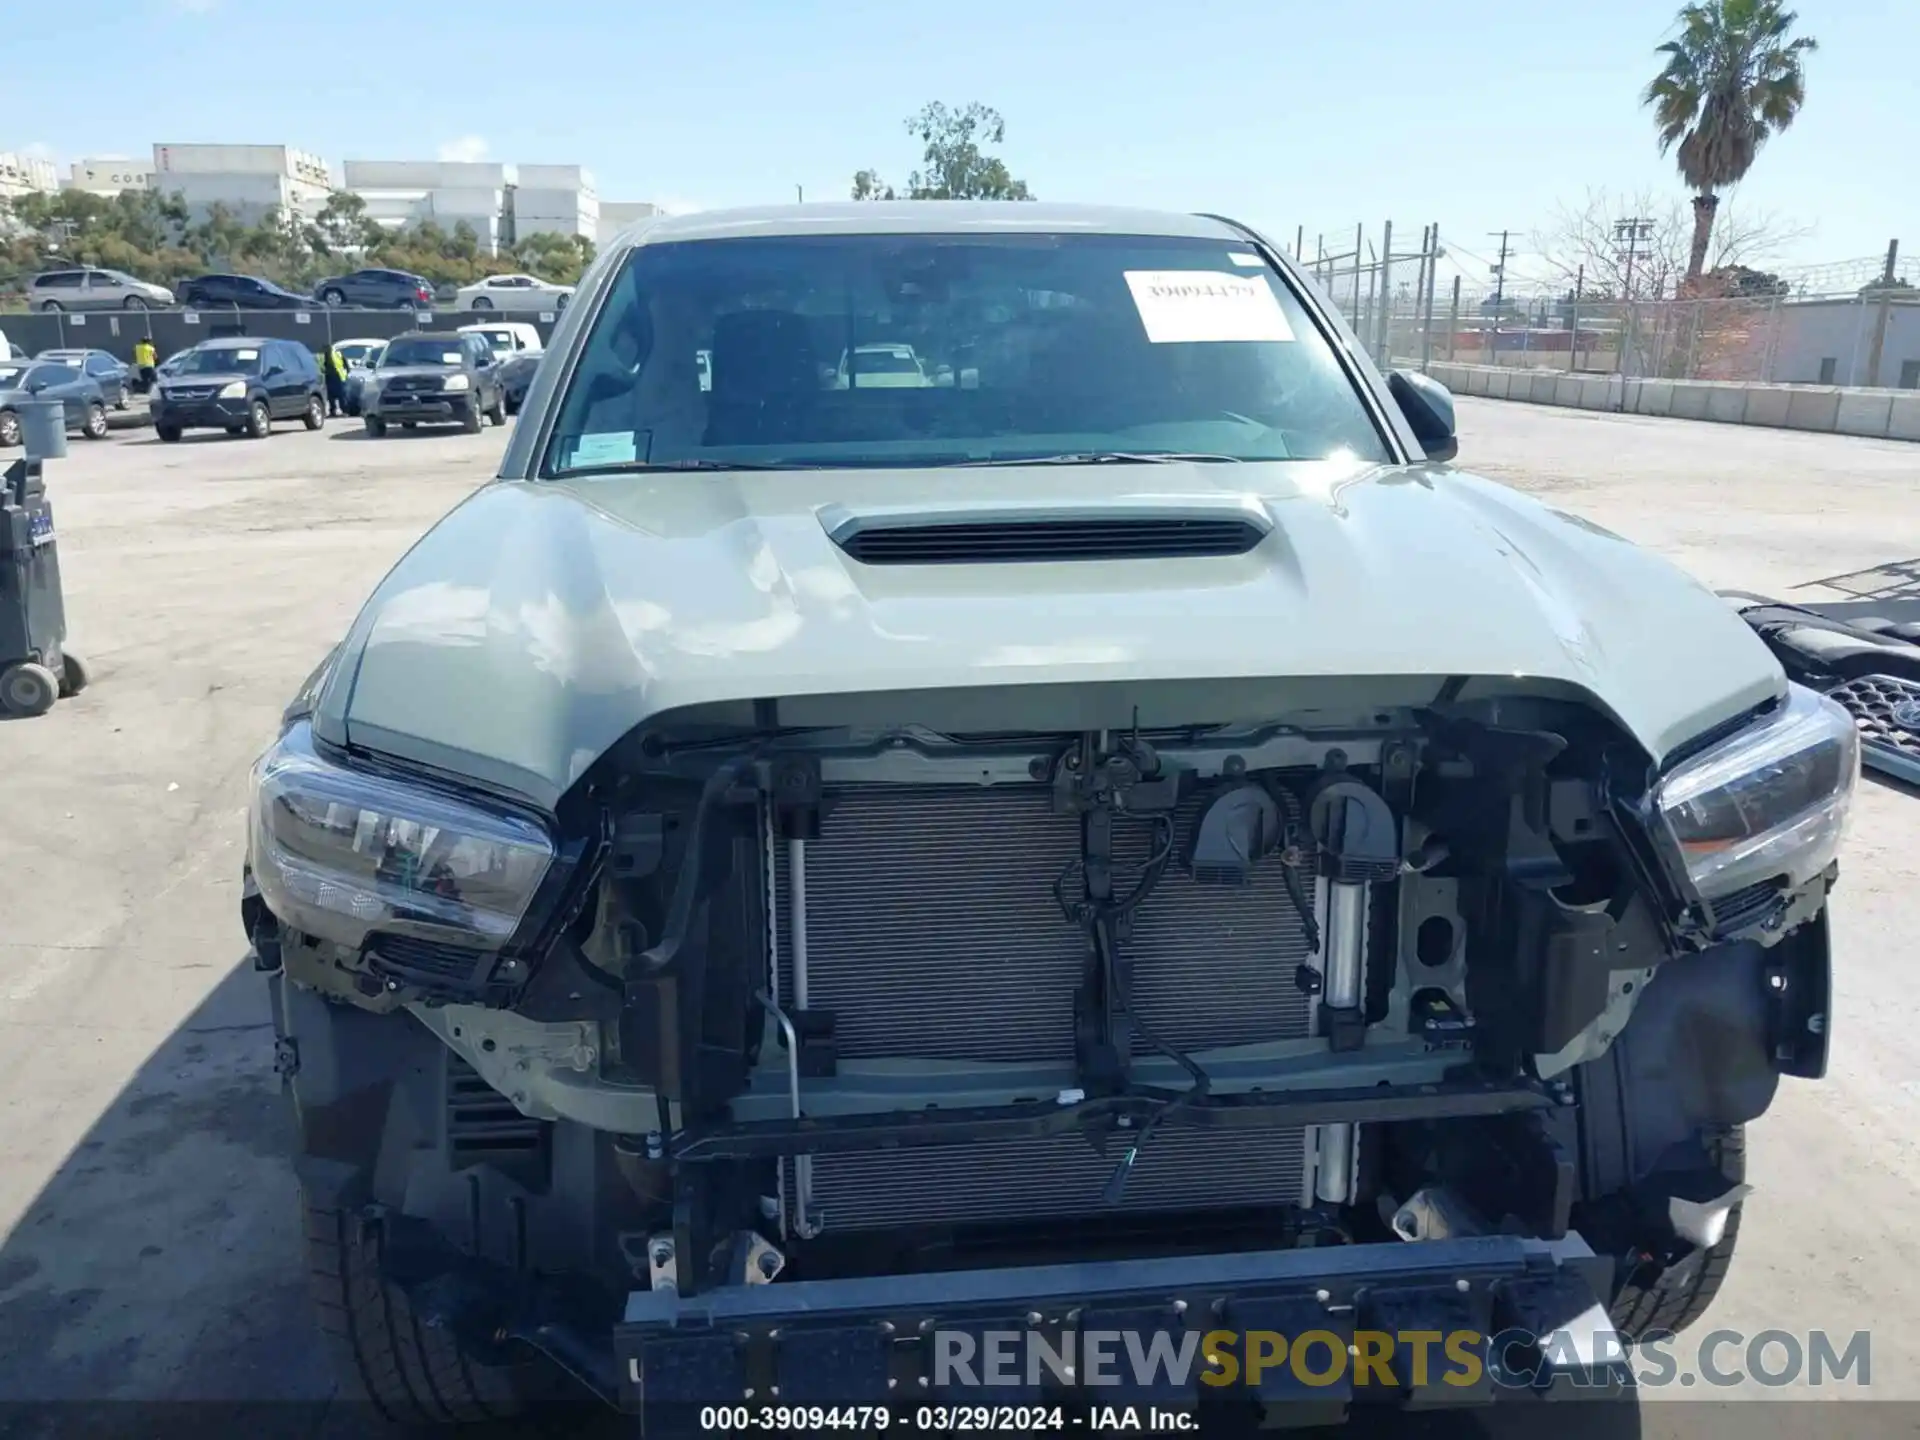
[(955, 165), (343, 225), (1731, 80)]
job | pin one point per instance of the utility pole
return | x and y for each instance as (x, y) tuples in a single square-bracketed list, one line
[(799, 195), (1630, 236), (1500, 273), (1879, 344)]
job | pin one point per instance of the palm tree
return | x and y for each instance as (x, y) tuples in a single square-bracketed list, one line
[(1732, 79)]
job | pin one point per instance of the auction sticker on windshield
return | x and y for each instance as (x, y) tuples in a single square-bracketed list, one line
[(611, 448), (1184, 307)]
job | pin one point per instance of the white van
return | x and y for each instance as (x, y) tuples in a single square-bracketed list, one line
[(507, 337)]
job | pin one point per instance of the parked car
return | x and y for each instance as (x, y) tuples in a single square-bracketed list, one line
[(880, 367), (377, 290), (433, 379), (1142, 840), (112, 374), (88, 288), (361, 357), (240, 385), (49, 380), (240, 292), (514, 294), (517, 374)]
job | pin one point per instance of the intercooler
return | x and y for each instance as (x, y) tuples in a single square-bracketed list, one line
[(933, 933)]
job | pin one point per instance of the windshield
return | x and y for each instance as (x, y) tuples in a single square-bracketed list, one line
[(940, 349), (500, 340), (223, 360), (422, 350), (11, 376), (358, 354)]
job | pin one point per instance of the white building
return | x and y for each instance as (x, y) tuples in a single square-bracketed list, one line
[(25, 175), (617, 215), (399, 193), (108, 175), (247, 179), (552, 199)]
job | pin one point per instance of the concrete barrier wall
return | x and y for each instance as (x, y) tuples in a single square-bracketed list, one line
[(1829, 409)]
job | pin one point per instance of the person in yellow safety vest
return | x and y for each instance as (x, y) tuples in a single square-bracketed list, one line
[(334, 369), (146, 362)]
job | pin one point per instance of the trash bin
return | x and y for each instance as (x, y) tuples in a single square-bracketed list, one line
[(35, 668), (43, 429)]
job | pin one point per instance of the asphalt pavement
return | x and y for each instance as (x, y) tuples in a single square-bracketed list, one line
[(148, 1242)]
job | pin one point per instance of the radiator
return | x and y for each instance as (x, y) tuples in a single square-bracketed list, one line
[(933, 933)]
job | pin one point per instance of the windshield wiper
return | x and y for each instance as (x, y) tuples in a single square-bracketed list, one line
[(1106, 457)]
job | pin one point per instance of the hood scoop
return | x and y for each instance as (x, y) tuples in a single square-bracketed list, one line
[(1138, 530)]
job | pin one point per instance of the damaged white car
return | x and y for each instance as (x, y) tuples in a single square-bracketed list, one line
[(1122, 836)]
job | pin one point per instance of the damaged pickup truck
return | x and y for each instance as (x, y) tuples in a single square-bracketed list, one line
[(1122, 835)]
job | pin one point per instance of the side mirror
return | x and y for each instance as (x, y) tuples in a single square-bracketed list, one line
[(1428, 406)]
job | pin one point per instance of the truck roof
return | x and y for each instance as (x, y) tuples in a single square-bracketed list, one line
[(924, 217)]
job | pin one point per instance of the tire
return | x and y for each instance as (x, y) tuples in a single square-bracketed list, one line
[(9, 428), (259, 421), (413, 1373), (481, 302), (315, 414), (134, 302), (471, 418), (94, 427), (73, 675), (498, 413), (335, 298), (376, 427), (1638, 1310), (51, 307), (28, 689), (170, 434)]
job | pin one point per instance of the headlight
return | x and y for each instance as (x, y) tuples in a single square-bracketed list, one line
[(339, 853), (458, 382), (233, 390), (1770, 802)]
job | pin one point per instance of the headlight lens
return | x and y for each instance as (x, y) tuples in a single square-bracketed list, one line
[(458, 382), (339, 853), (233, 390), (1770, 802)]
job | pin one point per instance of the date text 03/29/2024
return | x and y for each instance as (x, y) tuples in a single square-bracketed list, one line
[(943, 1419)]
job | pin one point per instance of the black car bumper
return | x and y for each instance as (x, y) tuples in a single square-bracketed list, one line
[(201, 414), (1452, 1322), (426, 410)]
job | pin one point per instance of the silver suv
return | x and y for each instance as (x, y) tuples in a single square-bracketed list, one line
[(91, 289)]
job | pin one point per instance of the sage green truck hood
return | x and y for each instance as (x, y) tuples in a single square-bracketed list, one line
[(538, 622)]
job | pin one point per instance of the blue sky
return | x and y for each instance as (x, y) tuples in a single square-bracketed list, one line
[(1477, 114)]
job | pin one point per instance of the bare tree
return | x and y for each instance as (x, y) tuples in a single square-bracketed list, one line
[(1578, 240)]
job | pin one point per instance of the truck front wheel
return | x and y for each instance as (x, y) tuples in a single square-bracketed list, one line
[(412, 1372)]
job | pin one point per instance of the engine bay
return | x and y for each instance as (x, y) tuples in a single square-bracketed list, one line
[(844, 1001)]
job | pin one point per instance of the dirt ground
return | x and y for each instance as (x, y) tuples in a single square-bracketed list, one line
[(149, 1244)]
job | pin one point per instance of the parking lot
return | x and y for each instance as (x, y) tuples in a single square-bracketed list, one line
[(150, 1243)]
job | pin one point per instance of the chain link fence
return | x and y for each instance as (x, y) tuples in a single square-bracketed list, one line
[(1403, 297)]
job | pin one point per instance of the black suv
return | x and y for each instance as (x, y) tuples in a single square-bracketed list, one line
[(429, 379), (240, 292), (377, 290), (240, 385)]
